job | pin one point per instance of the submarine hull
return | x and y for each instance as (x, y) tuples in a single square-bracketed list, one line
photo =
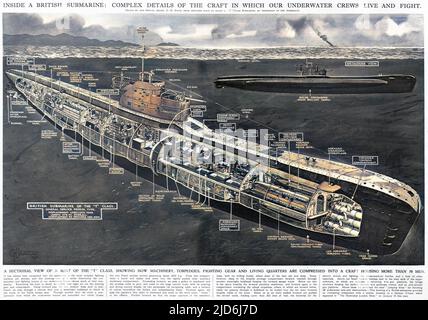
[(320, 84), (388, 220), (383, 232)]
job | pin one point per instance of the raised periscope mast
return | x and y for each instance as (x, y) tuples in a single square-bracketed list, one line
[(218, 166)]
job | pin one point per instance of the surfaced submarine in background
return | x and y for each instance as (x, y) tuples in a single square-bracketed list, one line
[(311, 78)]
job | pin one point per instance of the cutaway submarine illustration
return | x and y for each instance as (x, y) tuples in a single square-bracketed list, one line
[(312, 78), (151, 127)]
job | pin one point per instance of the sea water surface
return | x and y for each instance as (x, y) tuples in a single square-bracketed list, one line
[(178, 52)]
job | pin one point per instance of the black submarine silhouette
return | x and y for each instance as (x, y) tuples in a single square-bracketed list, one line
[(312, 78)]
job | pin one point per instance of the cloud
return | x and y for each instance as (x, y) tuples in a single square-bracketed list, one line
[(194, 32), (231, 30), (386, 26), (224, 30), (284, 29), (33, 24), (23, 23), (363, 23), (290, 30), (391, 28), (242, 34)]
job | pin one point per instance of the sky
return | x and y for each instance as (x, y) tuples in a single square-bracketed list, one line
[(230, 31)]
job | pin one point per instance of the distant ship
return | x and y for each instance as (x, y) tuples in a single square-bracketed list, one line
[(312, 78), (315, 195)]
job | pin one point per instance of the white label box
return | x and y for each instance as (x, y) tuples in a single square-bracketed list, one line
[(365, 160), (290, 136), (72, 210), (71, 147), (229, 225)]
